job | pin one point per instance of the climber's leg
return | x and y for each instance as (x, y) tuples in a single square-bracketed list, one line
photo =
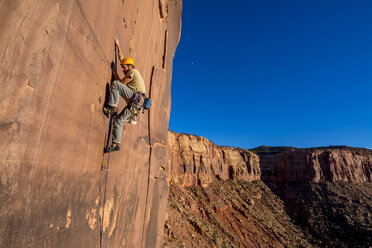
[(118, 125), (118, 89)]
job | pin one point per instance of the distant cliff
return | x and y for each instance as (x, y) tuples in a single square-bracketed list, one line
[(317, 165), (268, 196), (195, 160)]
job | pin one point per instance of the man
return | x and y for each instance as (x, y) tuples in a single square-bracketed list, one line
[(127, 88)]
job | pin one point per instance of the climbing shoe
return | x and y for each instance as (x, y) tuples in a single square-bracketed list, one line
[(111, 148), (109, 110)]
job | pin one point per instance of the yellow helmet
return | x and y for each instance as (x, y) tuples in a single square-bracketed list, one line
[(127, 61)]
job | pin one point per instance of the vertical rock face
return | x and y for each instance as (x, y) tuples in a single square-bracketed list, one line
[(194, 160), (54, 71), (317, 165)]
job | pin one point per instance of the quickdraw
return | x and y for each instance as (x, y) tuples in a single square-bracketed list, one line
[(139, 102)]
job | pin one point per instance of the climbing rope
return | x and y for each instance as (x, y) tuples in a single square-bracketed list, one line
[(105, 167)]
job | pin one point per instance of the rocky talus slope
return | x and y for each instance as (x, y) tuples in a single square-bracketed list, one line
[(287, 197), (54, 72)]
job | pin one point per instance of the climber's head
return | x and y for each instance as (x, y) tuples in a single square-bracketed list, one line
[(127, 64)]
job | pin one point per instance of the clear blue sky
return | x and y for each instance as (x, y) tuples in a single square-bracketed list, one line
[(268, 72)]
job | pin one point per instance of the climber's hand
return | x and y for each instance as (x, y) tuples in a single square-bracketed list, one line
[(116, 42)]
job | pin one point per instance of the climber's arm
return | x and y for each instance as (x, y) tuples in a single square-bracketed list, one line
[(119, 50), (126, 80)]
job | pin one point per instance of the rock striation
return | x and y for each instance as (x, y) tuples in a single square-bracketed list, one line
[(54, 73), (194, 160), (317, 165), (274, 197)]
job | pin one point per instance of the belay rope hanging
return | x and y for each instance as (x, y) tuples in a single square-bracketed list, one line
[(105, 167)]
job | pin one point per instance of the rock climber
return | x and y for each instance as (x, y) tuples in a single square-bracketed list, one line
[(128, 87)]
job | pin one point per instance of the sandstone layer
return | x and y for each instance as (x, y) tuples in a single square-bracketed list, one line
[(194, 160), (317, 165), (274, 197), (54, 72)]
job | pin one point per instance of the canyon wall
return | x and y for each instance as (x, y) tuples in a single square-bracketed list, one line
[(274, 197), (317, 165), (54, 73), (194, 160)]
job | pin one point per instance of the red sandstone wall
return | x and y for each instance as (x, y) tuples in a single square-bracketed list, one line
[(353, 165), (194, 160), (55, 66)]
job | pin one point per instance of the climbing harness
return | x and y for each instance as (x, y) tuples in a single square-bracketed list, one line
[(138, 103)]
